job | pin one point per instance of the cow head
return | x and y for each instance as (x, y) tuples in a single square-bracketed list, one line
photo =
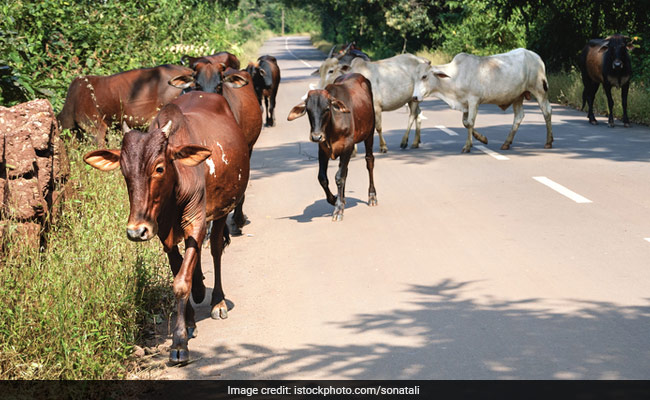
[(615, 49), (428, 80), (258, 75), (329, 70), (208, 77), (148, 164), (318, 107)]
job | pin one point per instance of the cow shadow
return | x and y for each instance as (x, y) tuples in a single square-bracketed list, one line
[(322, 209)]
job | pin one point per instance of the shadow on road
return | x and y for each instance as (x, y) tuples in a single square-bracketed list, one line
[(461, 338)]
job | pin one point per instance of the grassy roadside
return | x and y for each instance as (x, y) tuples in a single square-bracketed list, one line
[(75, 310)]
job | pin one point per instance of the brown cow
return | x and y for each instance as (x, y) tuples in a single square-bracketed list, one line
[(606, 61), (210, 77), (95, 103), (173, 193), (266, 80), (341, 115), (223, 57)]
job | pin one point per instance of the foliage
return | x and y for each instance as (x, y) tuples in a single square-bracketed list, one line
[(47, 43)]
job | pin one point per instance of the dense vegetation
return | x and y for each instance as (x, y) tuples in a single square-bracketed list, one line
[(75, 308)]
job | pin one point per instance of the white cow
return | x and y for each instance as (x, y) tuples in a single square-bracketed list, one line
[(392, 80), (501, 79)]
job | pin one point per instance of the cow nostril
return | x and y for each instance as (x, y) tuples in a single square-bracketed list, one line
[(137, 234)]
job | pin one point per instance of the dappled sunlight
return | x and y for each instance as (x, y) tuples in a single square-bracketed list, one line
[(458, 337)]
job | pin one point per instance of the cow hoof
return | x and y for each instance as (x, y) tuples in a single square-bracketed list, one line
[(179, 356), (593, 122), (626, 125), (505, 147), (415, 145), (383, 149), (337, 217), (241, 222), (219, 311), (403, 145), (465, 150), (192, 332), (611, 124), (372, 200), (235, 230), (548, 146)]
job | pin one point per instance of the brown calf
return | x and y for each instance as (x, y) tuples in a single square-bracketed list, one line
[(173, 193), (266, 80), (340, 115), (95, 103)]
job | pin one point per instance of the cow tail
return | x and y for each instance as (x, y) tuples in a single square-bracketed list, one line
[(545, 85)]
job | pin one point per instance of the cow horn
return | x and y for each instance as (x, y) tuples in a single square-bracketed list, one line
[(331, 52), (125, 127), (165, 129)]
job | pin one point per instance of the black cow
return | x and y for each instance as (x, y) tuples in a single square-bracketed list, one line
[(606, 61)]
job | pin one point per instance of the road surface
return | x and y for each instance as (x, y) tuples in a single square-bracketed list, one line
[(472, 266)]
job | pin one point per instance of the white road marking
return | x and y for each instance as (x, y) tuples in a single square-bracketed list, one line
[(561, 189), (286, 46), (492, 153), (446, 130)]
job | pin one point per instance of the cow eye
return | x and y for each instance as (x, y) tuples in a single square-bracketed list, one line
[(160, 169), (330, 71), (424, 77)]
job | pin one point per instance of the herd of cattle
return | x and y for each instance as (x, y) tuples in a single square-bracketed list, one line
[(192, 165)]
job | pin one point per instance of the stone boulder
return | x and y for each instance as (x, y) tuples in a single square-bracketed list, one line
[(34, 168)]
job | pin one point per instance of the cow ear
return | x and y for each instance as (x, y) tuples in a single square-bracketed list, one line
[(345, 68), (182, 81), (440, 74), (316, 73), (630, 46), (235, 80), (297, 111), (339, 106), (191, 155), (103, 160)]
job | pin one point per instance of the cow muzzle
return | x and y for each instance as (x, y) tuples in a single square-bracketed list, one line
[(617, 64), (140, 233), (317, 137)]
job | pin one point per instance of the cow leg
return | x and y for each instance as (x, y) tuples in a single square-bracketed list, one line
[(218, 239), (272, 112), (323, 160), (610, 103), (266, 111), (239, 218), (418, 124), (590, 96), (370, 165), (179, 352), (624, 90), (414, 109), (198, 288), (469, 118), (518, 108), (547, 111), (382, 143), (341, 176)]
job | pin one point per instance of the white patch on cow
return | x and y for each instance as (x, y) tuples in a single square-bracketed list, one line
[(223, 154), (210, 165)]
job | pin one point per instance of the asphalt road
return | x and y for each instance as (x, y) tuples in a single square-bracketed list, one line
[(469, 267)]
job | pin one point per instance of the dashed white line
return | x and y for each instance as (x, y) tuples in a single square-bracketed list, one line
[(446, 130), (561, 189), (492, 153), (286, 46)]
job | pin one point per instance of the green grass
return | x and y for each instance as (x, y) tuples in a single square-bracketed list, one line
[(74, 310), (566, 88)]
